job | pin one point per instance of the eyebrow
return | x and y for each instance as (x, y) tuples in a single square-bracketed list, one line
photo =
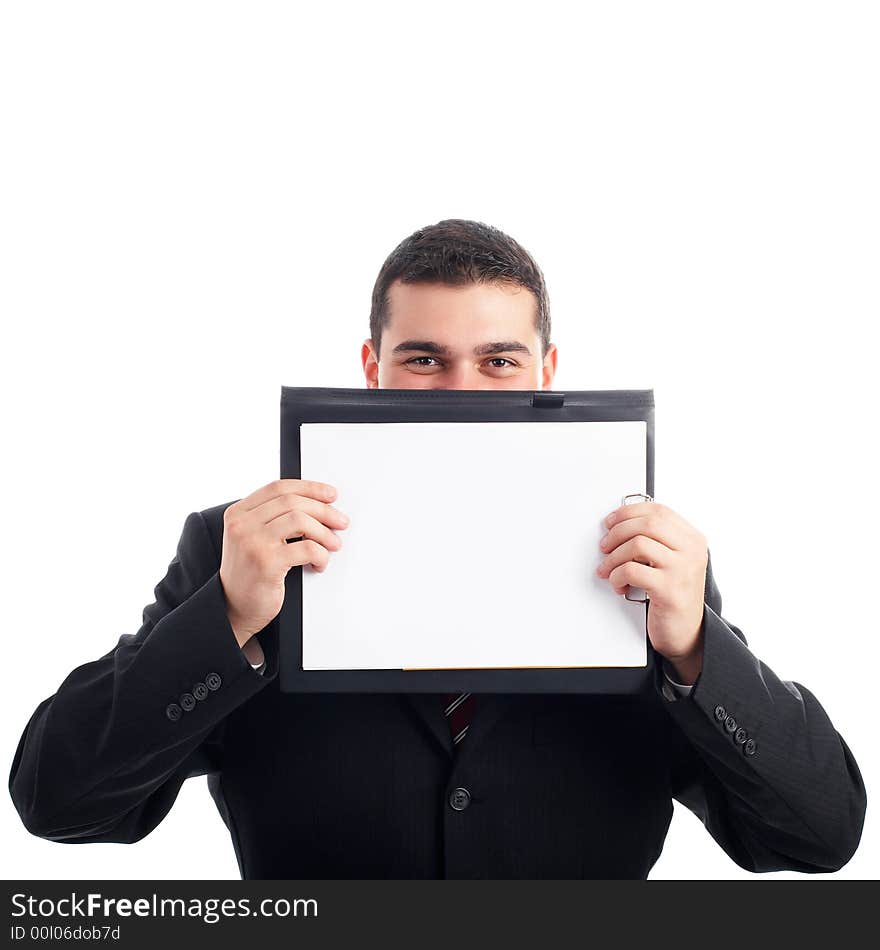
[(483, 349)]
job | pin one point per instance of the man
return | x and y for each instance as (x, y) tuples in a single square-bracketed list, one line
[(405, 786)]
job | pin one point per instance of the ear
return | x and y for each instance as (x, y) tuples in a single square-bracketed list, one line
[(549, 368), (370, 364)]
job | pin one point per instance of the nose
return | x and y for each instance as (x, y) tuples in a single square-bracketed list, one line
[(463, 377)]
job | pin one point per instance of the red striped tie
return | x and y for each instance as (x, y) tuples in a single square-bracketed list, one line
[(459, 708)]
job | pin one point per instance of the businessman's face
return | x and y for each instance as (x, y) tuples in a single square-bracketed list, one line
[(478, 336)]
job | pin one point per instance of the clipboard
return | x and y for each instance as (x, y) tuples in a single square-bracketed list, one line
[(305, 406)]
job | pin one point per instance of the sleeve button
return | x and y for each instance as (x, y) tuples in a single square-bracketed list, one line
[(188, 702), (200, 691), (173, 712), (730, 724), (741, 735), (213, 681), (750, 747), (720, 713)]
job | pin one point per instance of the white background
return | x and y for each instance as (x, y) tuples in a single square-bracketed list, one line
[(196, 199)]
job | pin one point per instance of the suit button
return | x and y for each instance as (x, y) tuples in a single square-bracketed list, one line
[(188, 702), (741, 735), (200, 691), (173, 712), (720, 713), (730, 724), (459, 798), (213, 681), (750, 747)]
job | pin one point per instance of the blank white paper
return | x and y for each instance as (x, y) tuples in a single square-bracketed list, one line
[(471, 545)]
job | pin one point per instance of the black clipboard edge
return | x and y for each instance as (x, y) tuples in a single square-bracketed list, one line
[(326, 404)]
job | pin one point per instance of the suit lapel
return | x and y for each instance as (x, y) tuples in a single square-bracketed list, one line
[(428, 708), (490, 707)]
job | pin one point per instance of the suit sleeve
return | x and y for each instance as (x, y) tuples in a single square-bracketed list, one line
[(758, 760), (103, 759)]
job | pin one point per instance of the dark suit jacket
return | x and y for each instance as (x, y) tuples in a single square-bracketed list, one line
[(359, 785)]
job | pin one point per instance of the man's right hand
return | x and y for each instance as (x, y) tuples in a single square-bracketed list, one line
[(256, 556)]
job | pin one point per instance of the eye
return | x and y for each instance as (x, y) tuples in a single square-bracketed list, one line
[(415, 360), (502, 359)]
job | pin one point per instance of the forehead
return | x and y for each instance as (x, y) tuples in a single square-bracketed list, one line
[(470, 310)]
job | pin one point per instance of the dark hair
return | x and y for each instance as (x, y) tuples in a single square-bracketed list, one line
[(456, 252)]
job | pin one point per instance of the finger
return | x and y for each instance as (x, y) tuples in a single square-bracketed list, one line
[(642, 549), (306, 551), (284, 486), (634, 510), (651, 526), (282, 504), (640, 509), (299, 524), (634, 574)]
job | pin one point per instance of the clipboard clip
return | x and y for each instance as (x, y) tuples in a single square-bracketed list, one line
[(642, 495)]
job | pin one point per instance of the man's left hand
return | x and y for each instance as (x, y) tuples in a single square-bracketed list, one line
[(650, 546)]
